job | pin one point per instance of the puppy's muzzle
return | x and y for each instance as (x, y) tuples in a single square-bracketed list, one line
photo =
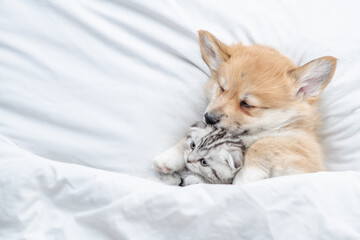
[(211, 118)]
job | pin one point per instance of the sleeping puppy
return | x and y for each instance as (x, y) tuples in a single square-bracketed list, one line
[(256, 90)]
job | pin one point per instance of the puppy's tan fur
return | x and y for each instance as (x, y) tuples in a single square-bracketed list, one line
[(255, 88)]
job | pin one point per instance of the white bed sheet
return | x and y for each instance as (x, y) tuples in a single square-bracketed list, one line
[(44, 199), (91, 90)]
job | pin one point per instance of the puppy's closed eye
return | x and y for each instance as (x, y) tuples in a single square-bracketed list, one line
[(244, 104)]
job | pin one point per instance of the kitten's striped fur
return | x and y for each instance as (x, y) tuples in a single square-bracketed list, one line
[(211, 155)]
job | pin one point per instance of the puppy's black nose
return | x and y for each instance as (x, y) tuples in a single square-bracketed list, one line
[(211, 118)]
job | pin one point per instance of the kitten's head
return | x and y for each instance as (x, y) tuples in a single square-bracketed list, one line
[(214, 153)]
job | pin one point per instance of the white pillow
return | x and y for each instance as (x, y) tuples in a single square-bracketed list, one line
[(110, 85)]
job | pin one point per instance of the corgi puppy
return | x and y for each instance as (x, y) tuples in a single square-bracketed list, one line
[(256, 90)]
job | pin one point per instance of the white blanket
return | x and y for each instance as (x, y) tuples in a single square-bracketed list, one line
[(92, 90)]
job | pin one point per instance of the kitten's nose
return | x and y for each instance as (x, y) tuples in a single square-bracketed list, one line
[(211, 118)]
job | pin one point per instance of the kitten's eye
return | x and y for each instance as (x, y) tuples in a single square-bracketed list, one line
[(245, 105), (222, 89), (204, 163), (192, 145)]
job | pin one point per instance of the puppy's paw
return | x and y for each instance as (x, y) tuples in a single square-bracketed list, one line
[(169, 161)]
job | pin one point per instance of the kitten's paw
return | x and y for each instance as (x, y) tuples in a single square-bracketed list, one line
[(171, 179), (192, 179), (169, 161), (160, 165)]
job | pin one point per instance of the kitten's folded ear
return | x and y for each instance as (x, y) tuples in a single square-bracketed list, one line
[(201, 125), (235, 159)]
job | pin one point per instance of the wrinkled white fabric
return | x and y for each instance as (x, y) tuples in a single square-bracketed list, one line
[(92, 90)]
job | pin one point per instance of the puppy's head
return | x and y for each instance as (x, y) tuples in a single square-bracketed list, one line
[(256, 88)]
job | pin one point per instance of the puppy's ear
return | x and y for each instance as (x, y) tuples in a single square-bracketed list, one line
[(313, 77), (235, 159), (213, 51)]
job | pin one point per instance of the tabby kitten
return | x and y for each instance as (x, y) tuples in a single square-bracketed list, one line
[(211, 155)]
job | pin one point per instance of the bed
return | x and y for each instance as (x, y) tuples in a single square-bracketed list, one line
[(92, 90)]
